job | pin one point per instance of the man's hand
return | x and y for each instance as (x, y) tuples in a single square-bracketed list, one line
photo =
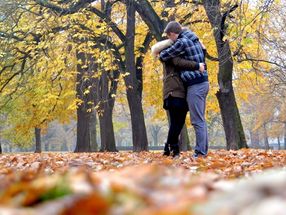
[(202, 67)]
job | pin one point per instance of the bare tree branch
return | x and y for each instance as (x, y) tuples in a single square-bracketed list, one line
[(64, 11)]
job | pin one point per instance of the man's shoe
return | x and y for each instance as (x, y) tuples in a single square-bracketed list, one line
[(198, 155), (195, 155)]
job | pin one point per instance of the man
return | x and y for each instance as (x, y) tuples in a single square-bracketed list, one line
[(187, 45)]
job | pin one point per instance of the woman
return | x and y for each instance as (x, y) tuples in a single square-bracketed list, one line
[(174, 94)]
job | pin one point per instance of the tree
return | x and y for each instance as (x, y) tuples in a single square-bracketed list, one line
[(93, 130), (133, 95), (139, 134), (38, 140), (106, 90), (32, 98), (235, 137)]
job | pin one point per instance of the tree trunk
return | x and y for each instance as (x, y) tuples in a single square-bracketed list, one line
[(155, 129), (279, 143), (266, 142), (93, 119), (235, 138), (38, 140), (234, 133), (105, 118), (46, 146), (119, 141), (184, 141), (64, 146), (139, 134), (155, 139), (105, 97), (106, 104), (106, 129), (84, 108), (254, 139), (169, 4), (83, 133), (151, 18), (92, 127)]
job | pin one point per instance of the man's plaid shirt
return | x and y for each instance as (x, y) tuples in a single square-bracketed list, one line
[(188, 47)]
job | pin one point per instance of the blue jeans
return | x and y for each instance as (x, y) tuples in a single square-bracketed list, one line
[(196, 98)]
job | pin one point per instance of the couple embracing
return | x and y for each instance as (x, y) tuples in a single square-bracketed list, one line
[(185, 85)]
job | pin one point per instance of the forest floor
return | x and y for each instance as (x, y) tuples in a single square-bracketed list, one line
[(244, 182)]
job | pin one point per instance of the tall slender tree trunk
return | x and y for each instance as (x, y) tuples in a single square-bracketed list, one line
[(64, 146), (254, 139), (235, 138), (155, 129), (84, 108), (279, 143), (139, 134), (38, 140), (107, 132), (93, 114), (92, 127), (105, 97), (266, 142), (106, 105), (46, 146), (105, 116), (155, 138)]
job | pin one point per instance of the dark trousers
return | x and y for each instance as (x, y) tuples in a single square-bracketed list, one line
[(178, 109)]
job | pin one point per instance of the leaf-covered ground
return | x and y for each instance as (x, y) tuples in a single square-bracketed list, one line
[(225, 182)]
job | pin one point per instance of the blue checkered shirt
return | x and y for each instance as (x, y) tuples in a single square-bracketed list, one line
[(188, 47)]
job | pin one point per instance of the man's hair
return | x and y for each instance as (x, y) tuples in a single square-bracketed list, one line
[(173, 27)]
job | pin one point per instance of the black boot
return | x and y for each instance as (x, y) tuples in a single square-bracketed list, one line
[(166, 150), (175, 151)]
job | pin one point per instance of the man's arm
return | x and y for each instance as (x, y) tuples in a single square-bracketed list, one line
[(173, 51)]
